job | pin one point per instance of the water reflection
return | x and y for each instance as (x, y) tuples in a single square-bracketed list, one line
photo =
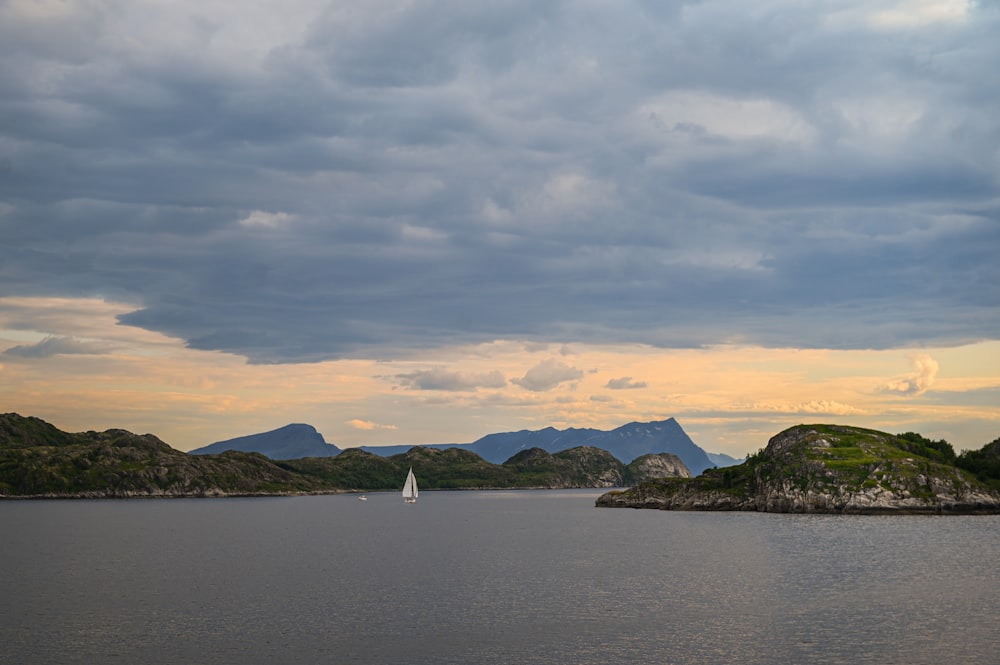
[(488, 577)]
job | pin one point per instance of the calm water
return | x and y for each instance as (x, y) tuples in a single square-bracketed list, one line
[(488, 577)]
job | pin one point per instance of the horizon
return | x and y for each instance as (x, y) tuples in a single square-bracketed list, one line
[(432, 221)]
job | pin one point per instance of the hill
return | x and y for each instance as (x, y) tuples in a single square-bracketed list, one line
[(625, 443), (39, 460), (828, 469), (457, 468), (288, 442)]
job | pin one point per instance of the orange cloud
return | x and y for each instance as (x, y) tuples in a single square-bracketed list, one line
[(368, 425), (917, 382), (548, 374)]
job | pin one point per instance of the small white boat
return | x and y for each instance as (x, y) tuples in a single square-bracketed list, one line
[(362, 498), (410, 488)]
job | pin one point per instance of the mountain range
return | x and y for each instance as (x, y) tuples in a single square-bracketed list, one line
[(625, 443), (807, 468), (39, 460)]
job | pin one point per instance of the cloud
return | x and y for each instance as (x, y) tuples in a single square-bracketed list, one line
[(548, 374), (625, 383), (442, 379), (367, 425), (314, 181), (815, 407), (55, 345), (829, 407), (262, 219), (919, 381), (704, 115), (916, 13)]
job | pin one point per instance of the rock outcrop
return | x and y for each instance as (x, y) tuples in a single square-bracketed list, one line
[(659, 465), (825, 469)]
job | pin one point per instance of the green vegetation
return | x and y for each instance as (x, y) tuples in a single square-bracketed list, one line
[(454, 468), (808, 468), (356, 469), (940, 451), (833, 468), (36, 459), (984, 463)]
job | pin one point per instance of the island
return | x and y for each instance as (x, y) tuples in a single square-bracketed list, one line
[(835, 469), (38, 460)]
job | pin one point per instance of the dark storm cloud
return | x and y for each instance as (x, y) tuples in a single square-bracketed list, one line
[(405, 175)]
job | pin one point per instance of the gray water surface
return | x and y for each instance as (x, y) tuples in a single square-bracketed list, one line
[(488, 577)]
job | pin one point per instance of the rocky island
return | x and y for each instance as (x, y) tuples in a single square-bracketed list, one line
[(835, 469)]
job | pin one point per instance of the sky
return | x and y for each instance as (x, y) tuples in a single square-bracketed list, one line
[(414, 221)]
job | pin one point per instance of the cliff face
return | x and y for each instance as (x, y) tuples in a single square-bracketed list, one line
[(652, 467), (825, 469)]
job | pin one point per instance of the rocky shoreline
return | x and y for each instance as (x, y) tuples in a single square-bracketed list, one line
[(827, 470)]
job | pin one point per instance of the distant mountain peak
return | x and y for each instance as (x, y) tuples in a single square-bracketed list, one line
[(292, 441), (625, 443)]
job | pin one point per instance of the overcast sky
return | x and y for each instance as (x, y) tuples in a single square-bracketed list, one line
[(422, 221)]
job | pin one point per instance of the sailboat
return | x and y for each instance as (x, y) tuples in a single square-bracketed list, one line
[(410, 488)]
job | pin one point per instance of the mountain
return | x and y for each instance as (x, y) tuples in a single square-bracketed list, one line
[(667, 436), (460, 468), (625, 443), (502, 446), (593, 466), (721, 459), (36, 459), (498, 448), (39, 460), (831, 469), (288, 442), (809, 468)]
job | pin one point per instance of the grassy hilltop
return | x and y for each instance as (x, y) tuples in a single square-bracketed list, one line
[(836, 469)]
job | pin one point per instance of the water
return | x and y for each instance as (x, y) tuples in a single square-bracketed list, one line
[(488, 577)]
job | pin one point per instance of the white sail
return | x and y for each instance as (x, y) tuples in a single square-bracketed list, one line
[(410, 488)]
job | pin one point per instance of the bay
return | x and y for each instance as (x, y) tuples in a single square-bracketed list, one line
[(488, 577)]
